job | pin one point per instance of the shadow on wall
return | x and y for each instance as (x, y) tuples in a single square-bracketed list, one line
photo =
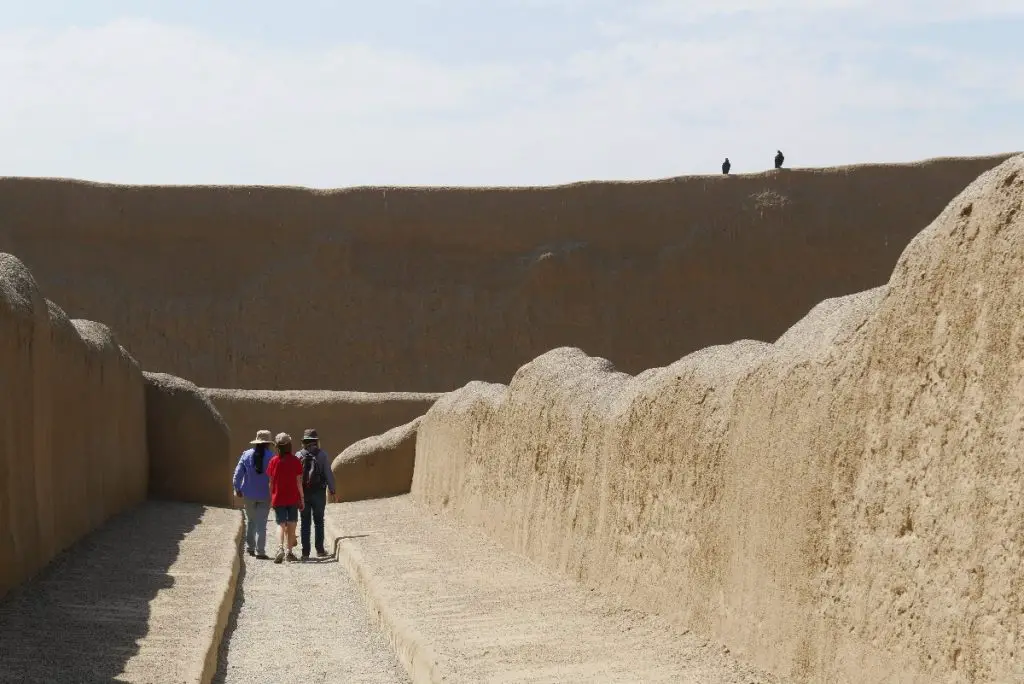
[(188, 443), (840, 505), (87, 612), (64, 384)]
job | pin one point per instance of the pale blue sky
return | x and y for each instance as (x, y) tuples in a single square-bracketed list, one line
[(454, 92)]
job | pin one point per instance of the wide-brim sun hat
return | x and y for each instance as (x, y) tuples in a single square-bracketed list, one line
[(283, 438), (263, 437), (310, 435)]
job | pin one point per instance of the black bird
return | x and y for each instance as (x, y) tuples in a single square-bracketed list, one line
[(779, 159), (726, 166)]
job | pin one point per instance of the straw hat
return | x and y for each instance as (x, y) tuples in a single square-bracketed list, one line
[(262, 437)]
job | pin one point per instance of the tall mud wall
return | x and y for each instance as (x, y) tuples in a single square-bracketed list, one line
[(397, 289), (72, 427), (843, 505), (340, 418)]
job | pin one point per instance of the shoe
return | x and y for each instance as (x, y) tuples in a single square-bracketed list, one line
[(250, 552), (280, 556), (320, 553), (262, 556), (305, 557), (291, 557)]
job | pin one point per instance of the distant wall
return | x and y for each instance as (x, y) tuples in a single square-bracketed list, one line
[(378, 466), (843, 505), (340, 418), (188, 443), (72, 427), (385, 289)]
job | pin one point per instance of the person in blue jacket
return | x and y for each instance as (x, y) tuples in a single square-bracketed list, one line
[(252, 485)]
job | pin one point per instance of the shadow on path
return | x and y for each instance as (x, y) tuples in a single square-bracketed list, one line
[(82, 617)]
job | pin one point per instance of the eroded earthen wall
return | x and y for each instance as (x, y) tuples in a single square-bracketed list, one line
[(189, 443), (399, 289), (842, 505), (72, 427), (378, 466)]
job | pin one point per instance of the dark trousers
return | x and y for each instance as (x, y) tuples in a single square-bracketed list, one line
[(316, 502)]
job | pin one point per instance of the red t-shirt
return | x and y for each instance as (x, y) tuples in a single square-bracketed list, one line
[(284, 487)]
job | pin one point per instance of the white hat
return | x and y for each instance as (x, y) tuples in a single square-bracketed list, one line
[(262, 437), (282, 438)]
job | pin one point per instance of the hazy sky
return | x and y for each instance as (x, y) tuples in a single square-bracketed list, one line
[(479, 92)]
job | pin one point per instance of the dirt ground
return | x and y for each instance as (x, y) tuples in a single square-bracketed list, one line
[(304, 623), (486, 614)]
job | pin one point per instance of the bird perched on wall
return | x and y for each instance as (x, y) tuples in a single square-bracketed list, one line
[(726, 166), (779, 159)]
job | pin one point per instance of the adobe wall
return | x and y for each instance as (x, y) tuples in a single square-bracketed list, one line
[(341, 418), (377, 466), (843, 505), (72, 426), (189, 443), (398, 289)]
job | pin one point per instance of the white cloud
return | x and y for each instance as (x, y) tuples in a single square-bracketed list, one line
[(686, 11), (135, 101)]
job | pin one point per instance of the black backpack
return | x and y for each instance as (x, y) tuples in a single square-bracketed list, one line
[(312, 472)]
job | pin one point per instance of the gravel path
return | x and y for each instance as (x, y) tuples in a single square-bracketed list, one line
[(481, 613), (302, 623), (136, 601)]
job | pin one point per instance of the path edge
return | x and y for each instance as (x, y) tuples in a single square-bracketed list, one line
[(208, 667), (418, 659)]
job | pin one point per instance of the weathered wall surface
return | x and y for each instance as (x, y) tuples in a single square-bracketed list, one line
[(425, 289), (340, 418), (72, 427), (377, 466), (189, 443), (844, 505)]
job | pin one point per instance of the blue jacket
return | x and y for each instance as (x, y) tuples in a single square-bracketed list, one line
[(253, 485)]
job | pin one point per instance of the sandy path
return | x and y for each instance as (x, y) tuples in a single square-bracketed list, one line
[(483, 614), (135, 601), (302, 623)]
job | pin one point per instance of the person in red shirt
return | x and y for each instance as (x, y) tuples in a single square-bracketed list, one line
[(286, 496)]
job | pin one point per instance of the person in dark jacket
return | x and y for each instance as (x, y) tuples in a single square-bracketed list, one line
[(779, 158), (726, 166), (252, 485), (317, 480)]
